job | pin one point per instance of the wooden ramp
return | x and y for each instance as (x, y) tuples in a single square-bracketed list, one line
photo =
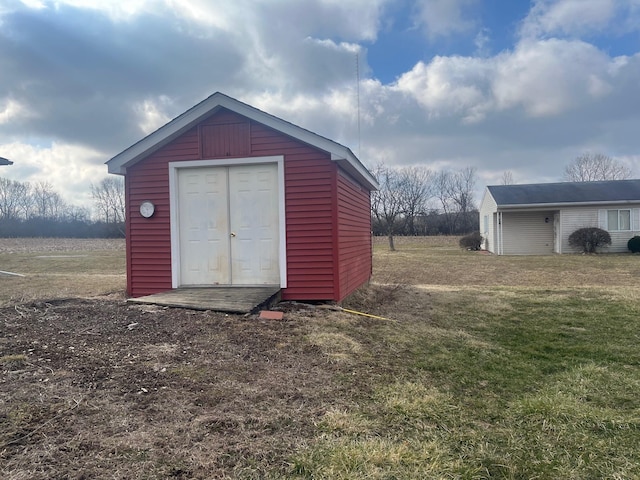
[(220, 299)]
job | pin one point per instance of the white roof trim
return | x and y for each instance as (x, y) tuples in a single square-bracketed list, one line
[(566, 204), (190, 118)]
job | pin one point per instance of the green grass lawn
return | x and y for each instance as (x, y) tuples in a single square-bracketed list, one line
[(493, 381)]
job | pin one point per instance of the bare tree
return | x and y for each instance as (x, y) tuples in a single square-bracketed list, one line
[(387, 203), (76, 214), (28, 210), (57, 206), (108, 196), (463, 184), (417, 188), (442, 192), (591, 167), (454, 191), (45, 202), (13, 199), (507, 178)]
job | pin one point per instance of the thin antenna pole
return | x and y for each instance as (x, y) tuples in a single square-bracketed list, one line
[(358, 97)]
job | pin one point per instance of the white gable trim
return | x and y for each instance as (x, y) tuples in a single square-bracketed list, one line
[(179, 125), (486, 193)]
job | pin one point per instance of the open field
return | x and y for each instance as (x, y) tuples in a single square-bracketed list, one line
[(438, 261), (60, 268), (487, 367)]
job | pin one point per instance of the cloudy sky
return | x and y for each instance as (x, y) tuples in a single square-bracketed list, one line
[(500, 85)]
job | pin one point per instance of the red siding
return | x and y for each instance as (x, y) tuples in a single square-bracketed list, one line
[(308, 203), (149, 239), (318, 203), (354, 235), (225, 140)]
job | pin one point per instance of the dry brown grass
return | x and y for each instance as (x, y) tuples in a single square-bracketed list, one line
[(60, 268), (56, 268), (66, 245), (439, 261)]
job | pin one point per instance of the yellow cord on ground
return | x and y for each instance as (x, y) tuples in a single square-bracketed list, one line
[(362, 313)]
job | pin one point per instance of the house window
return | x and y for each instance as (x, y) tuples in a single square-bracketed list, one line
[(618, 220), (486, 224)]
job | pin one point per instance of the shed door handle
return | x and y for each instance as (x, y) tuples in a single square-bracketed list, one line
[(233, 234)]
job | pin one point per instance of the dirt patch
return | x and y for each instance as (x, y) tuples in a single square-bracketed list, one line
[(101, 388)]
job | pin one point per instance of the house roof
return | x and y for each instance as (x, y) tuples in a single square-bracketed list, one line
[(613, 191), (179, 125), (4, 161)]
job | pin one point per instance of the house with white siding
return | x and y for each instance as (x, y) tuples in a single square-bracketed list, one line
[(537, 219)]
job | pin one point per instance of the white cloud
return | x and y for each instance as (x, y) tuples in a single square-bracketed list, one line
[(577, 18), (530, 110), (441, 18), (70, 169), (630, 161), (544, 78), (550, 77), (105, 79), (10, 110), (449, 86), (482, 41), (118, 10), (350, 19), (36, 4), (151, 115), (220, 14)]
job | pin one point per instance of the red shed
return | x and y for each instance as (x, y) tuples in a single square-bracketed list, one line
[(226, 194)]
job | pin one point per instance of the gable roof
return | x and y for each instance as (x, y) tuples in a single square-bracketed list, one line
[(612, 191), (179, 125)]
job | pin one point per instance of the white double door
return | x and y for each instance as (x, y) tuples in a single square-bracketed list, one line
[(229, 225)]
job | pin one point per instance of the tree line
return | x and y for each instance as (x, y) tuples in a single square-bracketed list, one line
[(593, 167), (411, 200), (587, 167), (415, 200), (37, 210)]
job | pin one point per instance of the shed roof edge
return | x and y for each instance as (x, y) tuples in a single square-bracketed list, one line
[(176, 127)]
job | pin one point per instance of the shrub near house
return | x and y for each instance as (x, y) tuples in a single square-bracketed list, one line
[(634, 244), (473, 241), (589, 239)]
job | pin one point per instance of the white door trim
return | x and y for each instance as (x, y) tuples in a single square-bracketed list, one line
[(557, 232), (175, 220)]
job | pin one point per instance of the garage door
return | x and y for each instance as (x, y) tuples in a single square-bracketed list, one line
[(228, 225)]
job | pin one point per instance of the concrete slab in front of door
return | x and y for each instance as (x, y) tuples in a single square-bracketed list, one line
[(219, 299)]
